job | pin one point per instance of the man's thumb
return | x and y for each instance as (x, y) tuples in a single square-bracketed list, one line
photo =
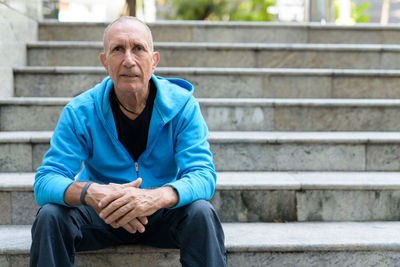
[(135, 183)]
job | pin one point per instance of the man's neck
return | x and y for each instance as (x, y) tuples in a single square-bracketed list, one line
[(133, 104)]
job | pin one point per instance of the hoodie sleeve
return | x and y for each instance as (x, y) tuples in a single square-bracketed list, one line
[(196, 177), (62, 161)]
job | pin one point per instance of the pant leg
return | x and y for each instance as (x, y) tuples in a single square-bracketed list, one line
[(195, 229), (58, 232)]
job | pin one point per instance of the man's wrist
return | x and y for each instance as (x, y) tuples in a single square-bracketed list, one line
[(169, 197)]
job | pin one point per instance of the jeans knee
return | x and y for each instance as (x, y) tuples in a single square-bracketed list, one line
[(51, 214), (201, 211)]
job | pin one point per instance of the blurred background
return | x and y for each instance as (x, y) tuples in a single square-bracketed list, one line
[(344, 12)]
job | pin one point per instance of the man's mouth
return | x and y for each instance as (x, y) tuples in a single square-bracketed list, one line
[(129, 75)]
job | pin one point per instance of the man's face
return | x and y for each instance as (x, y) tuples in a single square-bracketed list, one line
[(128, 56)]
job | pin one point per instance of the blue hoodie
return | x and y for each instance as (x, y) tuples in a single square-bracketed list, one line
[(177, 152)]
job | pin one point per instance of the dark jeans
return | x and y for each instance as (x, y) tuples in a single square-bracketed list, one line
[(58, 232)]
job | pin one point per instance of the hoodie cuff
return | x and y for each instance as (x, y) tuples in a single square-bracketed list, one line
[(184, 193)]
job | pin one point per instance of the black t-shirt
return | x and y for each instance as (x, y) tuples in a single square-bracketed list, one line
[(133, 133)]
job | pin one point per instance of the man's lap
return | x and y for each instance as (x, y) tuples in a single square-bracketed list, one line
[(92, 233)]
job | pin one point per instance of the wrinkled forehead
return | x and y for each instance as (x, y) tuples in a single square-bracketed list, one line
[(127, 29)]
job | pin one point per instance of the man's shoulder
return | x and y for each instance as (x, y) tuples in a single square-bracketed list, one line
[(179, 86), (82, 101), (87, 99)]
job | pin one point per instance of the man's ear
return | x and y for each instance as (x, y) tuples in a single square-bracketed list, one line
[(103, 60), (156, 59)]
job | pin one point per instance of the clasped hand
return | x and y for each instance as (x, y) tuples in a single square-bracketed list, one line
[(123, 205)]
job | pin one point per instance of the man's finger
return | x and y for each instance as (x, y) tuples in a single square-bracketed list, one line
[(143, 220), (129, 228), (104, 202), (135, 223), (135, 183)]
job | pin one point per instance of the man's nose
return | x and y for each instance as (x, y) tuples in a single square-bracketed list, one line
[(129, 59)]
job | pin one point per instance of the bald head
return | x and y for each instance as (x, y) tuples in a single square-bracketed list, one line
[(135, 23)]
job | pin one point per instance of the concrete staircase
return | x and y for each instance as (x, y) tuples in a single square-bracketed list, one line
[(303, 120)]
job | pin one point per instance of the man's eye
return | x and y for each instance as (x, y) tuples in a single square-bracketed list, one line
[(117, 48), (138, 48)]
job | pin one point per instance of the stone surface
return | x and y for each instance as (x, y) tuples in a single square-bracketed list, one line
[(29, 118), (264, 237), (54, 85), (255, 205), (315, 259), (202, 57), (252, 32), (229, 55), (38, 114), (238, 118), (365, 87), (5, 208), (15, 30), (383, 157), (336, 118), (261, 196), (298, 58), (344, 36), (38, 152), (63, 56), (225, 83), (15, 157), (297, 86), (255, 151), (317, 205), (24, 208), (293, 157)]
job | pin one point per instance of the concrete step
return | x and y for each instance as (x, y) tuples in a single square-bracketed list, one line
[(252, 32), (248, 244), (252, 55), (224, 82), (260, 196), (227, 114), (250, 151)]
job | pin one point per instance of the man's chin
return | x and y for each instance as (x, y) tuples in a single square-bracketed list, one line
[(130, 88)]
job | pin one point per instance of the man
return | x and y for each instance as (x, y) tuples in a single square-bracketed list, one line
[(147, 167)]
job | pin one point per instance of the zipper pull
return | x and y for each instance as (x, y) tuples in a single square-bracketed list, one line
[(137, 169)]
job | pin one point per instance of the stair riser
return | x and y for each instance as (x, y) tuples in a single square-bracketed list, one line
[(236, 118), (243, 34), (227, 85), (154, 258), (234, 259), (19, 208), (244, 156), (228, 57), (315, 258)]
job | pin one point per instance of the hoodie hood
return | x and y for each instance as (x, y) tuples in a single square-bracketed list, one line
[(171, 97)]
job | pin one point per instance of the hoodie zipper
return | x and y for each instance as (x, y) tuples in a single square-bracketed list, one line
[(137, 169)]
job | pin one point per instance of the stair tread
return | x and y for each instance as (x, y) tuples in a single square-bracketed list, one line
[(256, 237), (216, 70), (263, 181), (227, 45), (244, 136), (268, 102)]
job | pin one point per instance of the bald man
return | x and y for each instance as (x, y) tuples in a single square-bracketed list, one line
[(147, 167)]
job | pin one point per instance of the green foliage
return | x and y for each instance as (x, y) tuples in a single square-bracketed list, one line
[(220, 9), (254, 10), (356, 12), (196, 9)]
